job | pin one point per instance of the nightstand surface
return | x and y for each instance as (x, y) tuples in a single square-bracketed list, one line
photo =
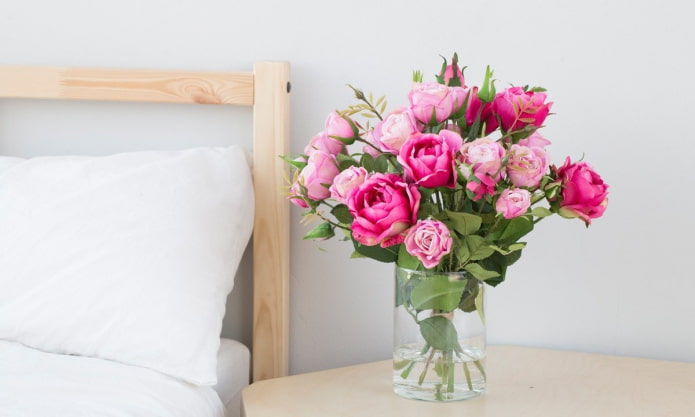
[(522, 382)]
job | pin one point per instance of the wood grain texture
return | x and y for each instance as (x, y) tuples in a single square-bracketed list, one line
[(522, 382), (271, 227), (127, 85)]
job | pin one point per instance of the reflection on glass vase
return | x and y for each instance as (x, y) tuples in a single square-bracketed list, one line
[(439, 336)]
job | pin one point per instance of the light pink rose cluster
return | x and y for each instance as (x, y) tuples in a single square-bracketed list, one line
[(383, 206), (346, 182), (429, 159), (390, 134), (429, 241), (513, 202), (482, 165), (584, 194), (527, 165), (315, 177), (432, 103)]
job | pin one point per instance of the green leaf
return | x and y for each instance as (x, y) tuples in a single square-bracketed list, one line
[(487, 89), (497, 263), (406, 260), (479, 298), (512, 248), (376, 252), (467, 303), (342, 213), (479, 272), (541, 212), (437, 293), (464, 223), (439, 333), (477, 247), (367, 162), (516, 229), (322, 231), (345, 161), (381, 164), (297, 161)]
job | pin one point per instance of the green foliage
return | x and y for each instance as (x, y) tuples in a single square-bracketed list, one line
[(440, 333), (437, 293), (342, 214), (376, 252), (322, 231)]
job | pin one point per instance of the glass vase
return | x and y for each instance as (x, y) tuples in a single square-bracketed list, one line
[(439, 336)]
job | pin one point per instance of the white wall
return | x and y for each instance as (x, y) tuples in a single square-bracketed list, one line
[(619, 72)]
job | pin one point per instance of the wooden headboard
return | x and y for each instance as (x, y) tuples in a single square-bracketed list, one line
[(266, 89)]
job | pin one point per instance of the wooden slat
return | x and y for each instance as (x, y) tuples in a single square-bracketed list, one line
[(127, 85), (271, 229)]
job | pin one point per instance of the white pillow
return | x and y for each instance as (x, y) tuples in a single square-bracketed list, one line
[(127, 257)]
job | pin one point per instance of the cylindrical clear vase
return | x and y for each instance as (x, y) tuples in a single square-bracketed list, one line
[(439, 336)]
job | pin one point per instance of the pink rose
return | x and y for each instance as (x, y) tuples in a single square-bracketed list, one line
[(296, 196), (396, 128), (515, 108), (429, 241), (513, 202), (535, 140), (429, 159), (584, 194), (383, 207), (346, 182), (526, 165), (431, 103), (341, 127), (318, 175), (481, 163), (323, 142)]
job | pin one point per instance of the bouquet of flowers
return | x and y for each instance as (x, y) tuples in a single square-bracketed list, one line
[(450, 182)]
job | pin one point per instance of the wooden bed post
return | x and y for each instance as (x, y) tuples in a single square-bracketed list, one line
[(271, 122)]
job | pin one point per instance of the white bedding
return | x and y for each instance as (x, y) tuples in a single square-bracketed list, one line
[(34, 383), (233, 374)]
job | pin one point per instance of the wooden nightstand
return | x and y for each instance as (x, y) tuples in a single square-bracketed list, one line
[(522, 382)]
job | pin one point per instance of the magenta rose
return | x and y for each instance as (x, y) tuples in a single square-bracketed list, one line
[(383, 207), (396, 128), (341, 128), (346, 182), (318, 175), (526, 165), (429, 241), (429, 159), (584, 194), (323, 142), (513, 202), (515, 108), (431, 103)]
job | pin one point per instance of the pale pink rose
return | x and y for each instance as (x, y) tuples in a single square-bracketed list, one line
[(295, 196), (429, 241), (584, 194), (526, 165), (396, 128), (513, 202), (346, 182), (373, 138), (383, 207), (481, 163), (318, 175), (535, 140), (515, 108), (342, 127), (323, 142), (431, 102), (429, 159)]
